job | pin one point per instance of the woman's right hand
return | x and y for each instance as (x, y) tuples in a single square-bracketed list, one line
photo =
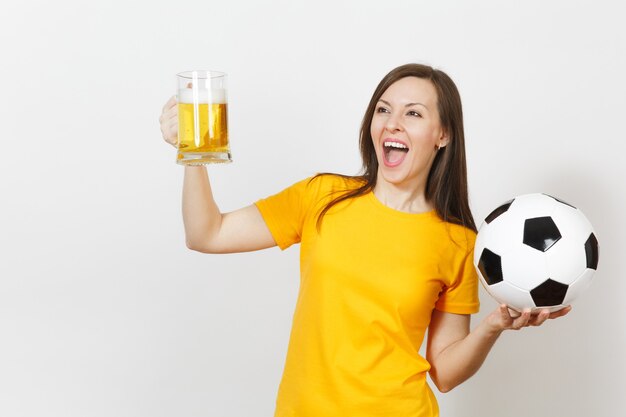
[(169, 121)]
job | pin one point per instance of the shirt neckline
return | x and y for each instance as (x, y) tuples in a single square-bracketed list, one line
[(397, 213)]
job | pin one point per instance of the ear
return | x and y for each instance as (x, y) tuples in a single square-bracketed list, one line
[(444, 139)]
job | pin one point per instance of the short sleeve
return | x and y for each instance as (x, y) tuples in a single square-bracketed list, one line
[(461, 296), (285, 212)]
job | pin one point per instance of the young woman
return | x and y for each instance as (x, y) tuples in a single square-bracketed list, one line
[(384, 256)]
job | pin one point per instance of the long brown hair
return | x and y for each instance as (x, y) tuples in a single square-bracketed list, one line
[(446, 186)]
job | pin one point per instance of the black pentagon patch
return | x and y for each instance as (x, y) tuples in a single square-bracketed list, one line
[(592, 251), (559, 200), (497, 212), (549, 293), (541, 233), (490, 265)]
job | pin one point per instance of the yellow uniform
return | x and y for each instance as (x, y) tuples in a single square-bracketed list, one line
[(370, 279)]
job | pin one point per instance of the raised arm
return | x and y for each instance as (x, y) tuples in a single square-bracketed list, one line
[(207, 229)]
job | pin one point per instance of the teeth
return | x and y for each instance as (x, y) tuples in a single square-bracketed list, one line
[(395, 145)]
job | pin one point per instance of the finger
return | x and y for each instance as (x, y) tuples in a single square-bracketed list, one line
[(522, 320), (513, 313), (562, 312), (169, 103), (500, 318), (539, 319), (172, 140), (505, 313), (172, 127), (171, 134), (168, 114), (172, 116), (166, 131)]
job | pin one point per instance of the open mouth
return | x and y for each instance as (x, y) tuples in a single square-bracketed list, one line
[(394, 152)]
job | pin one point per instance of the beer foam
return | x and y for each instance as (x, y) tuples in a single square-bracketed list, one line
[(214, 95)]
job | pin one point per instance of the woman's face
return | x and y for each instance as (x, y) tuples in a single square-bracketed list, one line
[(406, 131)]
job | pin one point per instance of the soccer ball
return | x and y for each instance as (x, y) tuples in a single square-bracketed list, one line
[(536, 251)]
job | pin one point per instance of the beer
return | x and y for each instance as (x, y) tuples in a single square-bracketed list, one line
[(202, 125)]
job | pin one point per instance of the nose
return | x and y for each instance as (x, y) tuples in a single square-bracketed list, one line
[(393, 123)]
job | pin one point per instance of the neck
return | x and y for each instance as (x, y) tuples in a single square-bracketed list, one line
[(402, 198)]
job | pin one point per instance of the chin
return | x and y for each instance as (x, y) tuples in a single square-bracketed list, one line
[(395, 178)]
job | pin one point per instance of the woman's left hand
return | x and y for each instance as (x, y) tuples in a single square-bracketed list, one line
[(505, 319)]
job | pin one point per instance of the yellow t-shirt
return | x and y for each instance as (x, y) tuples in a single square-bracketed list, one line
[(370, 279)]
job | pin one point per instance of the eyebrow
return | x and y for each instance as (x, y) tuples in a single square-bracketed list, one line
[(406, 105)]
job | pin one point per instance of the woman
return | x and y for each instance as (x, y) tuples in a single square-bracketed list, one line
[(384, 256)]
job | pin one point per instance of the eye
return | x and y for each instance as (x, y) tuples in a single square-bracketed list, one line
[(414, 113), (382, 110)]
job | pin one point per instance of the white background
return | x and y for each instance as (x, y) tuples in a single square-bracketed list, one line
[(105, 312)]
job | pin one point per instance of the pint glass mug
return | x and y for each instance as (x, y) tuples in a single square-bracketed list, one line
[(202, 118)]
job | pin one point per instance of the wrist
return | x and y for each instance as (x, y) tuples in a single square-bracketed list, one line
[(490, 329)]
